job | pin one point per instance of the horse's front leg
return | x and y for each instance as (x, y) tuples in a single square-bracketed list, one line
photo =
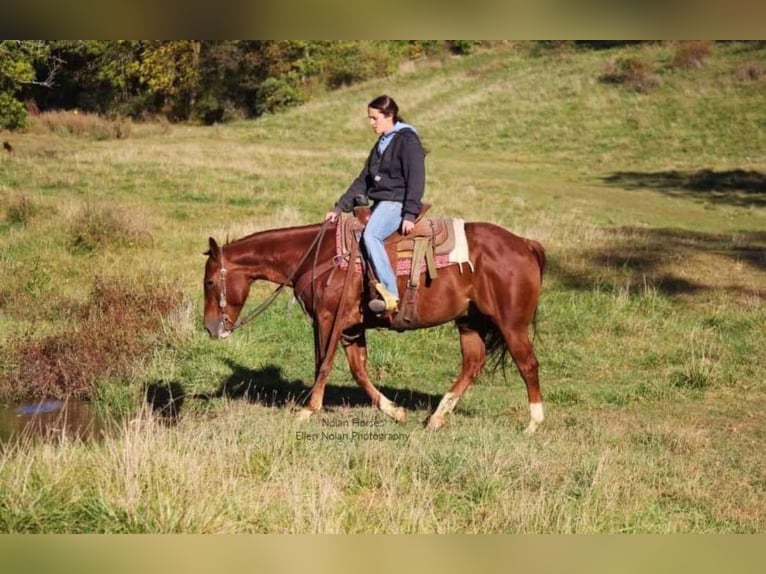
[(324, 354), (355, 344)]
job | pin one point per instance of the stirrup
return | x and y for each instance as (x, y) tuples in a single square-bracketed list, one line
[(388, 303)]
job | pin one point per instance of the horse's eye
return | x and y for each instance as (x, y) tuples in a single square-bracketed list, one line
[(209, 283)]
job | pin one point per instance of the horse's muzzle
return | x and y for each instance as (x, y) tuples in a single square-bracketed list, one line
[(217, 330)]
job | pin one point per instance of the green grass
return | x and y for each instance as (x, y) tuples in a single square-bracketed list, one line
[(651, 209)]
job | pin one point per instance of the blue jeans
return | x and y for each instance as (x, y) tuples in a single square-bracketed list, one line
[(385, 219)]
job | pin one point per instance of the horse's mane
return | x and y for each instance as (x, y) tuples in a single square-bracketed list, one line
[(269, 231)]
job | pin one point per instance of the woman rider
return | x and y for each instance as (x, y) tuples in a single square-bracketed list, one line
[(394, 178)]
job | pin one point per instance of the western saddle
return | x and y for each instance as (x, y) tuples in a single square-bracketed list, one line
[(431, 237)]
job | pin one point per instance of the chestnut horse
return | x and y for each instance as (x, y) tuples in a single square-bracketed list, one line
[(492, 304)]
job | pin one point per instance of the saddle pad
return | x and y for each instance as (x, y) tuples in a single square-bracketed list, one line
[(456, 241)]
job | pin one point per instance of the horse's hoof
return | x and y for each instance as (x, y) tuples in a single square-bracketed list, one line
[(530, 430), (391, 409), (434, 422), (304, 415)]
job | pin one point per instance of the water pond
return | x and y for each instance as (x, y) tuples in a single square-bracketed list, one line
[(49, 419)]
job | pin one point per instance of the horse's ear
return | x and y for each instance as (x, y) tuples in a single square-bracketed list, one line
[(215, 250)]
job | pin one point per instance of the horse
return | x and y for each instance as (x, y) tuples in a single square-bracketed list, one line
[(493, 304)]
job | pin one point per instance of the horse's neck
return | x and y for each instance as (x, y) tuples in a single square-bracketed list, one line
[(271, 255)]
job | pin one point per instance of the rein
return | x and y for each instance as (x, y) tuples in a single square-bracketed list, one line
[(322, 348), (222, 303), (324, 351)]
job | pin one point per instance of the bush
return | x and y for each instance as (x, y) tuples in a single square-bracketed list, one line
[(750, 71), (84, 125), (114, 330), (350, 62), (22, 212), (548, 47), (211, 109), (691, 54), (96, 228), (417, 49), (13, 114), (461, 47), (276, 94), (632, 72)]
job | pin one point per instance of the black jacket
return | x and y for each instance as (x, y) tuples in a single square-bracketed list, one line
[(398, 175)]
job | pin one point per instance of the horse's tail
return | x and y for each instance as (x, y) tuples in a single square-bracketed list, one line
[(496, 349)]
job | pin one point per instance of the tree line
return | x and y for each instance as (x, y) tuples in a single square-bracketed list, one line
[(201, 80), (207, 81)]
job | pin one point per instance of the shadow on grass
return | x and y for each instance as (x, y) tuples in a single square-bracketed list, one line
[(166, 399), (268, 387), (656, 258), (734, 187)]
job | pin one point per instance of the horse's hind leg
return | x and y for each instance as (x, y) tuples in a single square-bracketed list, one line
[(517, 339), (355, 345), (474, 355)]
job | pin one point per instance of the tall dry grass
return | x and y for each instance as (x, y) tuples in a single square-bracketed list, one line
[(588, 474), (81, 124)]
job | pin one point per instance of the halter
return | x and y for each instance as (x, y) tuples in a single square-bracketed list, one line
[(226, 322), (222, 303)]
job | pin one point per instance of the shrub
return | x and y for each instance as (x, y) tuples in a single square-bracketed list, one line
[(276, 94), (350, 62), (691, 54), (13, 114), (211, 109), (97, 228), (80, 124), (114, 330), (632, 72), (22, 212), (549, 47), (417, 49), (461, 47), (750, 71)]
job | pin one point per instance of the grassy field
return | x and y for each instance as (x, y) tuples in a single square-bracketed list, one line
[(652, 209)]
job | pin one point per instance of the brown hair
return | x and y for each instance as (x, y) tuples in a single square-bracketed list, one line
[(387, 106)]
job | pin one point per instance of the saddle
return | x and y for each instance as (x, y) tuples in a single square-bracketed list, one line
[(426, 248), (438, 231)]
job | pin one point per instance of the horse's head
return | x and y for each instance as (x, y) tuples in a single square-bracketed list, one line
[(226, 289)]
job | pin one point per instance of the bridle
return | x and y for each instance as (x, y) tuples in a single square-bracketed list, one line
[(226, 325), (225, 320)]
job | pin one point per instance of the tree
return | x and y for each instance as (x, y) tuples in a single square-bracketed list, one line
[(17, 69), (170, 70)]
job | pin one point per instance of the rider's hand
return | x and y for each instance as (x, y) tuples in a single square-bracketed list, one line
[(407, 226), (331, 216)]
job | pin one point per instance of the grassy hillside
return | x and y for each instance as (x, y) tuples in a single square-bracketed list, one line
[(651, 208)]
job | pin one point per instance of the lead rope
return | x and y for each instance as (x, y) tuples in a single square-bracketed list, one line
[(336, 329)]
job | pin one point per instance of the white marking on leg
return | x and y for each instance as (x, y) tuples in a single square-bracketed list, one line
[(304, 415), (446, 406), (536, 417), (391, 409)]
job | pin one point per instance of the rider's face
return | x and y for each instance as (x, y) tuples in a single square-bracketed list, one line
[(380, 122)]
